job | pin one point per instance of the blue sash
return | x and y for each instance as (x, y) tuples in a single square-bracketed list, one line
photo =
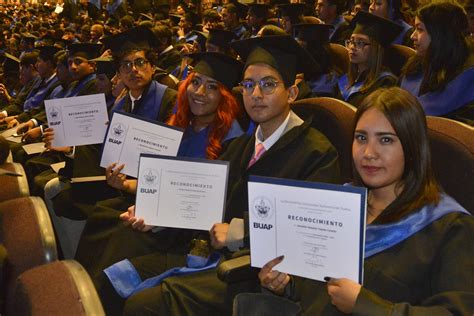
[(381, 237), (401, 37), (347, 91), (457, 93), (149, 105), (126, 280), (57, 93), (325, 85), (38, 94), (337, 22), (75, 90)]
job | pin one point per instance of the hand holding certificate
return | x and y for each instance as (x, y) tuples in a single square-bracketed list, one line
[(128, 136), (180, 192), (319, 228), (77, 120)]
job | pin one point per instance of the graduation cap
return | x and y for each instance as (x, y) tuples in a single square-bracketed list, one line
[(292, 10), (280, 52), (382, 30), (137, 38), (28, 37), (10, 63), (147, 17), (47, 52), (220, 67), (106, 66), (85, 50), (220, 38), (309, 32), (241, 9), (175, 18), (198, 36), (260, 10)]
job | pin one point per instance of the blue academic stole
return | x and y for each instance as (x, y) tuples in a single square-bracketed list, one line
[(74, 91), (38, 94), (400, 38), (381, 237), (149, 105), (347, 91), (457, 93), (325, 85)]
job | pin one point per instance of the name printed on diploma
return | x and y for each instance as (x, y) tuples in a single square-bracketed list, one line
[(181, 192), (129, 136), (77, 120), (319, 228)]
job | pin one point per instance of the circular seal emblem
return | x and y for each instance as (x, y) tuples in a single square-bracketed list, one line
[(118, 130), (262, 207), (150, 177), (54, 112)]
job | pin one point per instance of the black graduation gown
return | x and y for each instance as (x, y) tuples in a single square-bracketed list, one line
[(302, 153)]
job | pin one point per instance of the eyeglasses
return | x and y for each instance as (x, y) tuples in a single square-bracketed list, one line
[(139, 64), (267, 86), (357, 43), (76, 61)]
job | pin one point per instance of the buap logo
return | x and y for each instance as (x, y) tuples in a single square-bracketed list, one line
[(150, 177), (54, 112), (262, 207), (118, 130)]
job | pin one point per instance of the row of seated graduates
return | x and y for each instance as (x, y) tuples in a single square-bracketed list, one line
[(87, 49)]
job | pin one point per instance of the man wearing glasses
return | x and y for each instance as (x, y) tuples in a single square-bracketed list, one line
[(134, 60), (283, 146)]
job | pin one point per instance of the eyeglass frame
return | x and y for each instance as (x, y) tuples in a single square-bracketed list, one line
[(359, 44), (259, 83), (139, 64)]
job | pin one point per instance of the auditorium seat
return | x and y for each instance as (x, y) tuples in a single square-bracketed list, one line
[(261, 303), (339, 57), (13, 186), (27, 236), (452, 152), (396, 57), (334, 118), (58, 288)]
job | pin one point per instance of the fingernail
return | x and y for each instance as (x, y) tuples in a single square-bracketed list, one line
[(327, 279), (281, 257)]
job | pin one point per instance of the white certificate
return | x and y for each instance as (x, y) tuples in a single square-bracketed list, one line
[(34, 148), (181, 192), (319, 228), (77, 120), (129, 136)]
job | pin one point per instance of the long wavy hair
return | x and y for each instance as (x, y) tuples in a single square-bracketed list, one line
[(449, 49), (226, 112), (407, 118)]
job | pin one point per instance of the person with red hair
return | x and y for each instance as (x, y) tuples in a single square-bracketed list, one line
[(207, 108)]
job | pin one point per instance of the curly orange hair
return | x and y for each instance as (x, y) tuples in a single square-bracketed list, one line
[(226, 112)]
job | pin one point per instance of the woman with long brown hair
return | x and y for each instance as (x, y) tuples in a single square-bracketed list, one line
[(366, 51), (418, 241)]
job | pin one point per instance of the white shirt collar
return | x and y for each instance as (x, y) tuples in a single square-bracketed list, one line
[(50, 78), (270, 141), (133, 99)]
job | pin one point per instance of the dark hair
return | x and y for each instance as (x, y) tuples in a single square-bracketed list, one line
[(163, 34), (341, 5), (375, 63), (28, 59), (446, 24), (150, 55), (407, 118)]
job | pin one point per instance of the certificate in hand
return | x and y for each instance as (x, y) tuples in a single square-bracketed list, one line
[(129, 136), (319, 228), (181, 192), (77, 120)]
